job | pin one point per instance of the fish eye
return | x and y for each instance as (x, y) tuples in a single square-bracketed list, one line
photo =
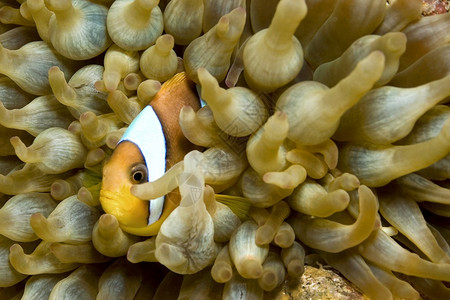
[(139, 173)]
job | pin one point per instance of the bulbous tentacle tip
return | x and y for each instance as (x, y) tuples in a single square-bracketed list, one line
[(282, 117), (314, 165), (277, 126), (111, 80), (25, 12), (41, 226), (366, 195), (294, 8), (100, 86), (223, 26), (88, 119), (85, 196), (287, 179), (142, 251), (114, 94), (396, 41), (221, 272), (94, 157), (329, 151), (203, 75), (107, 223), (60, 189), (75, 127), (193, 129), (133, 257), (132, 81), (268, 281), (296, 268), (168, 255), (15, 140), (264, 235), (165, 43), (237, 17), (250, 268), (285, 236), (53, 70), (62, 91), (22, 151), (209, 85), (186, 110), (12, 15), (16, 255), (340, 197), (147, 90), (230, 26), (140, 191), (113, 138), (346, 181)]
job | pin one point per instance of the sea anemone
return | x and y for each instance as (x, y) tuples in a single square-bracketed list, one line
[(325, 137)]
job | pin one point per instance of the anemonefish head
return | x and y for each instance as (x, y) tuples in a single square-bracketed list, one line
[(140, 156), (125, 168), (151, 144)]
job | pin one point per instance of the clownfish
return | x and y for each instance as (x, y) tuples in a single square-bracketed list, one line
[(151, 145)]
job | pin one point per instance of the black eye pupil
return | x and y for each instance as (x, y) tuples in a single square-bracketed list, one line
[(138, 176), (138, 173)]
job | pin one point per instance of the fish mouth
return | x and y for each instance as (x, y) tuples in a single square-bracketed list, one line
[(128, 210)]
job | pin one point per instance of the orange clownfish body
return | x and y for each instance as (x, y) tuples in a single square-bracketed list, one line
[(151, 145)]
